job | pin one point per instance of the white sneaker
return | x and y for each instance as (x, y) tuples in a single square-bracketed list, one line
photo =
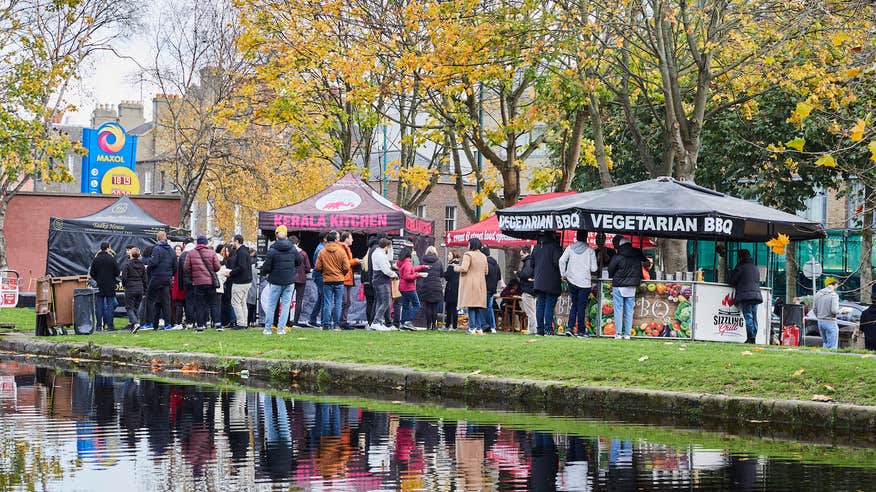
[(161, 324), (617, 337), (376, 327), (626, 337), (267, 331), (479, 332), (177, 327)]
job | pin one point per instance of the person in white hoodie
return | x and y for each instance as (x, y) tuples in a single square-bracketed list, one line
[(826, 307), (577, 265)]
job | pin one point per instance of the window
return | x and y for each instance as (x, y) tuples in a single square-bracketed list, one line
[(147, 182), (421, 211), (449, 218), (163, 175)]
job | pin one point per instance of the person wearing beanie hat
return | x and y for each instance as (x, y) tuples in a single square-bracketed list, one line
[(868, 322), (825, 304), (202, 240)]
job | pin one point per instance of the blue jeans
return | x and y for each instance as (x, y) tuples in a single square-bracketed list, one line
[(283, 294), (829, 333), (105, 307), (333, 297), (317, 306), (578, 310), (623, 312), (475, 318), (749, 313), (489, 314), (544, 312), (410, 306)]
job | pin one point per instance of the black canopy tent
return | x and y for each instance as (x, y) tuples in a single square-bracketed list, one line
[(74, 242), (662, 207)]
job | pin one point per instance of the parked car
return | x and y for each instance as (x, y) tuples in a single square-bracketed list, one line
[(848, 321)]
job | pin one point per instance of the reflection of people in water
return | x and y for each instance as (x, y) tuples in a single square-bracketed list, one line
[(620, 458), (276, 456), (545, 462), (469, 460), (195, 422), (234, 425)]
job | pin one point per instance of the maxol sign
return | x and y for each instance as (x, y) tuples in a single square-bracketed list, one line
[(109, 166)]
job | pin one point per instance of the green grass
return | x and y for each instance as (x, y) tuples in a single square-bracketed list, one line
[(701, 367), (24, 319)]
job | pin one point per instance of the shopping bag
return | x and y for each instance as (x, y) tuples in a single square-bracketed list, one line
[(791, 336)]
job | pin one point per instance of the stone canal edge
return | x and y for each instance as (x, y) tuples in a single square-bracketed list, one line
[(555, 397)]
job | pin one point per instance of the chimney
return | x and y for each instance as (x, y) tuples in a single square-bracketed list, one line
[(103, 113), (131, 114)]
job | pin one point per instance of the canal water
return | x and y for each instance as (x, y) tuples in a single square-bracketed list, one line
[(73, 431)]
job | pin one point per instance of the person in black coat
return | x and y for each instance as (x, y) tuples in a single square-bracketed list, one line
[(746, 279), (160, 266), (868, 322), (239, 281), (625, 270), (104, 271), (134, 280), (527, 286), (281, 268), (546, 280), (451, 291), (429, 288), (494, 276)]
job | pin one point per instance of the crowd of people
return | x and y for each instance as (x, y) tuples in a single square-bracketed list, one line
[(193, 285)]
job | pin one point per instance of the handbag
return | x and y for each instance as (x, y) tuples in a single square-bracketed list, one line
[(213, 275)]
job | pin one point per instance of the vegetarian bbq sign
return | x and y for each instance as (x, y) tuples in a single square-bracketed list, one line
[(618, 222)]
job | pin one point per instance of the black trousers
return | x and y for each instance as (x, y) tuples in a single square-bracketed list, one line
[(451, 317), (369, 303), (132, 306), (299, 303), (206, 305), (159, 301), (430, 311)]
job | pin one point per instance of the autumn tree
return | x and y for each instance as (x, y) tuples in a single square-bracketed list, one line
[(43, 45)]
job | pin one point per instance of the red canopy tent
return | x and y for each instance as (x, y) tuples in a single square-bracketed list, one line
[(488, 231)]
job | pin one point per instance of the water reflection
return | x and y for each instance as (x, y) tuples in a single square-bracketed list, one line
[(72, 431)]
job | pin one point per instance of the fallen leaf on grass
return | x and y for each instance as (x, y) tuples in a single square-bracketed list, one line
[(684, 345), (668, 343), (190, 368), (531, 340), (868, 356), (681, 348), (821, 398), (757, 350), (643, 358), (800, 371), (747, 352), (728, 365), (370, 343), (301, 338), (829, 387)]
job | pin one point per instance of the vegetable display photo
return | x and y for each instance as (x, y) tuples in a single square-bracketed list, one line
[(663, 309)]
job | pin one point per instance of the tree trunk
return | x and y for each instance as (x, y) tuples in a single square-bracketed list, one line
[(790, 273), (599, 143), (674, 255), (866, 266), (721, 267), (572, 152)]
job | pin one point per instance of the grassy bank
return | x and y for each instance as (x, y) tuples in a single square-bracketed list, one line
[(729, 369), (24, 319)]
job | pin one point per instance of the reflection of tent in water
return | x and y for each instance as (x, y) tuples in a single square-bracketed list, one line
[(73, 242)]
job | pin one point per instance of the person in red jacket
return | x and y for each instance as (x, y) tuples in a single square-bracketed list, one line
[(200, 265), (407, 286), (178, 293)]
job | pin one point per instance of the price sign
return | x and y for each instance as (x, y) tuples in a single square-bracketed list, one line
[(120, 181), (8, 289)]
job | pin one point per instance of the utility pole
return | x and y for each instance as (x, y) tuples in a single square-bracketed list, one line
[(383, 165)]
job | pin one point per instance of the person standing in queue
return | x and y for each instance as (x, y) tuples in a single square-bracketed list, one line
[(451, 292), (745, 278), (240, 280), (826, 307), (160, 267), (134, 281), (604, 254), (281, 268), (408, 274), (625, 270), (473, 286), (547, 282), (527, 286), (366, 279), (200, 265), (318, 283), (349, 279), (429, 288), (379, 264), (494, 278), (577, 265), (104, 271), (304, 267), (334, 264)]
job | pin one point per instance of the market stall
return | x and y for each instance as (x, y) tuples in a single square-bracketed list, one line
[(348, 204), (676, 304)]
